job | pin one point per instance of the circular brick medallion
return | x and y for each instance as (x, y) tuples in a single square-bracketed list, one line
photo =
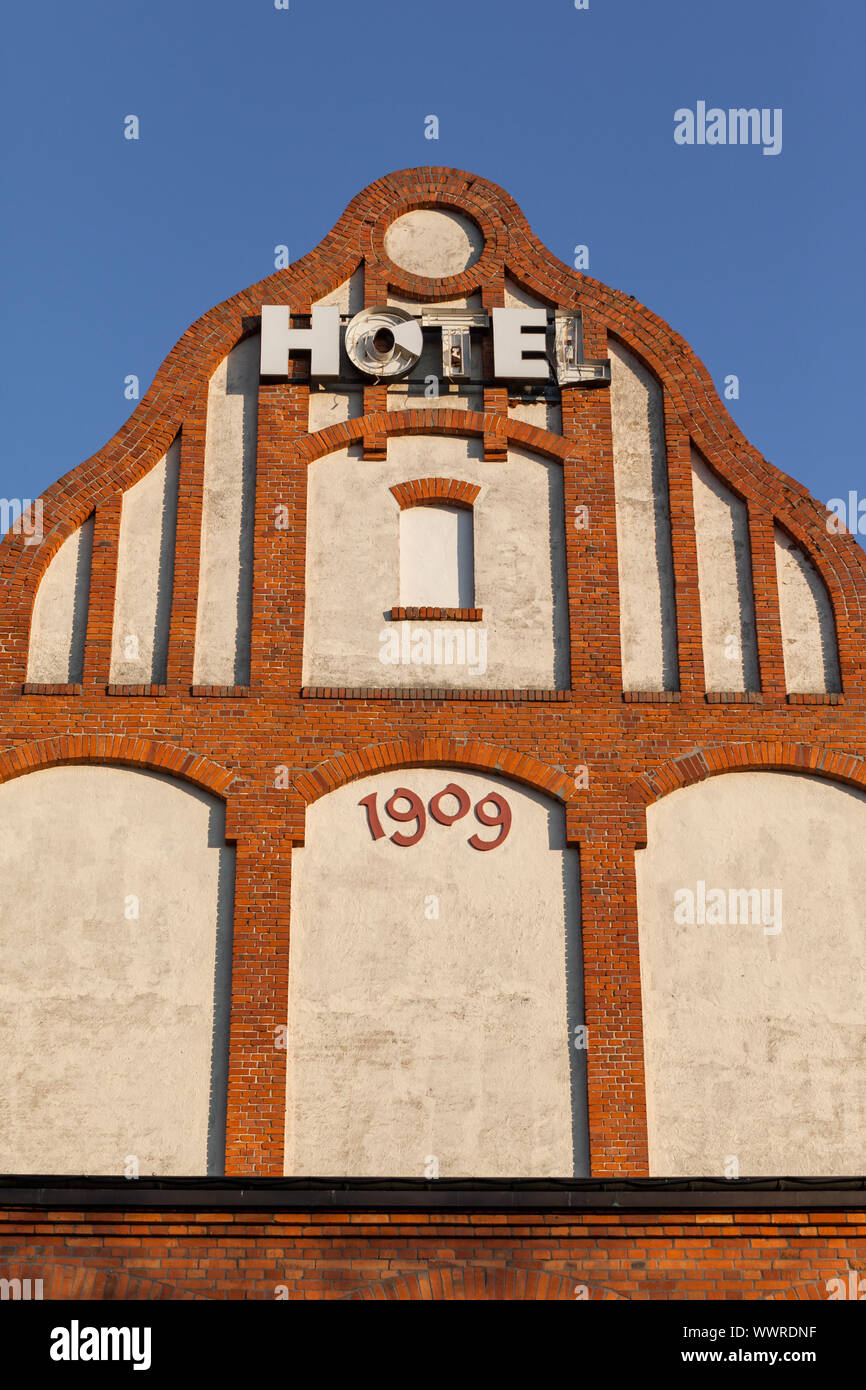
[(434, 242)]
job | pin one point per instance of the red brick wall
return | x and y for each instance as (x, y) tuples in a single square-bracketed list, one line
[(635, 749), (426, 1255)]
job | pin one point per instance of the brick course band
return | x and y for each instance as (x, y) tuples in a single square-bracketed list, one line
[(732, 1254), (413, 694), (457, 615)]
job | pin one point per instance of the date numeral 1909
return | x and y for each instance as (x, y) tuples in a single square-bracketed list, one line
[(415, 811)]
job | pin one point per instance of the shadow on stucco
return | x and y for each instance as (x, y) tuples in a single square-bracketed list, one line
[(218, 1101), (558, 581)]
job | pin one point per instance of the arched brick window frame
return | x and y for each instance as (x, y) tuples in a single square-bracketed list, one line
[(438, 492), (432, 491)]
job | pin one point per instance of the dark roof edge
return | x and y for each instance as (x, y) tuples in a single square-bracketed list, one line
[(411, 1194)]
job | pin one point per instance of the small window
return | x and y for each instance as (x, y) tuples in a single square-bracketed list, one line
[(437, 563)]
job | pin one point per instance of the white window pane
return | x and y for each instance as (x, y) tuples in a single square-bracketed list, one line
[(436, 558)]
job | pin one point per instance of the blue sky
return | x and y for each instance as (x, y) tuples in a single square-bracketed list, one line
[(258, 126)]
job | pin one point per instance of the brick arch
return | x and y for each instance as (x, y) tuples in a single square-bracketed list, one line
[(460, 1283), (422, 492), (481, 210), (782, 756), (813, 1290), (454, 422), (61, 1281), (433, 752), (119, 750)]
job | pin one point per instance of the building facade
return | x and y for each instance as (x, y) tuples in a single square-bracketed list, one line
[(433, 751)]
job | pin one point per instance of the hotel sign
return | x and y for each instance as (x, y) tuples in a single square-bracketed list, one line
[(529, 344)]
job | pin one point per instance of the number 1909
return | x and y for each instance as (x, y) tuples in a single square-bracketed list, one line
[(416, 812)]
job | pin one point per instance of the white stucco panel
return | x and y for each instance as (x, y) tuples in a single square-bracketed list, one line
[(117, 886), (808, 627), (430, 988), (353, 571), (222, 641), (755, 1031), (349, 296), (58, 626), (145, 574), (725, 580), (648, 632)]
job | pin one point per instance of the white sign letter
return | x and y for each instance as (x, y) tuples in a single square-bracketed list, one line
[(513, 338), (322, 341)]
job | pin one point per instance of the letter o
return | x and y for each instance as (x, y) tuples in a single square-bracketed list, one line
[(444, 817)]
